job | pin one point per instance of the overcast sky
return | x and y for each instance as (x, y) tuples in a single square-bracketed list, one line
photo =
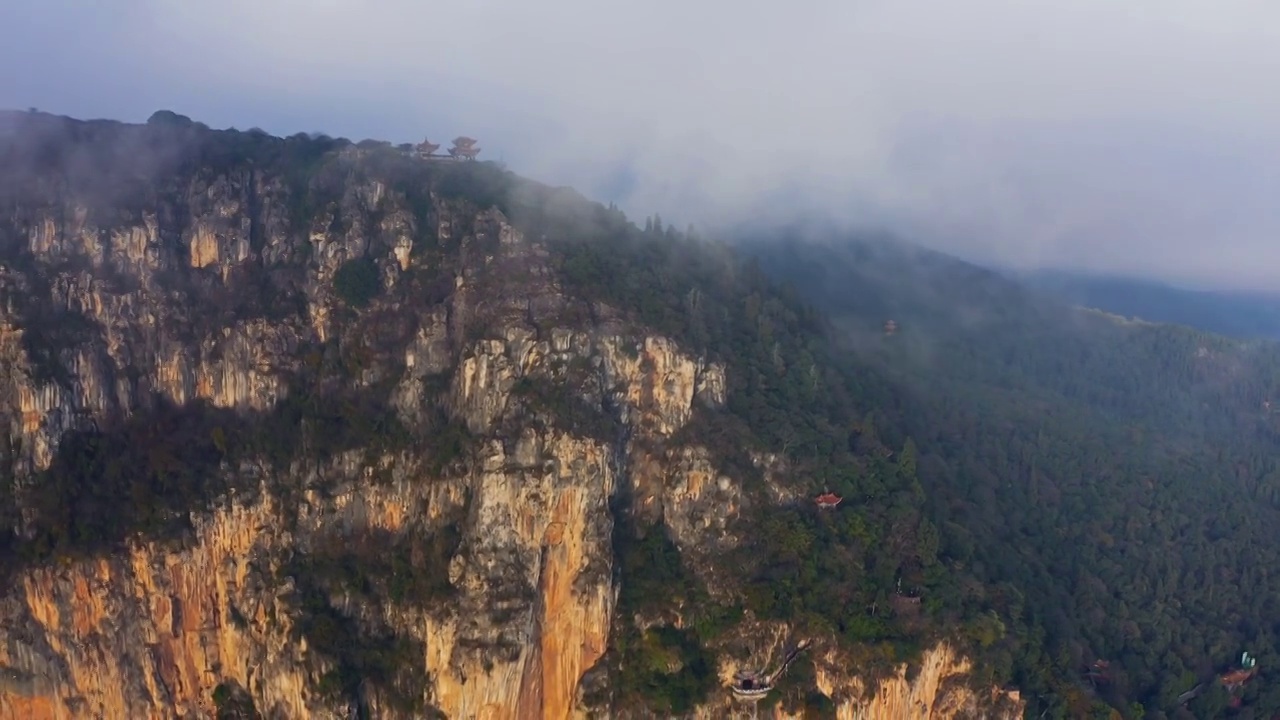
[(1138, 136)]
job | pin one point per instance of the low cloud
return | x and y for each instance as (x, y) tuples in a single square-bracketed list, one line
[(1139, 136)]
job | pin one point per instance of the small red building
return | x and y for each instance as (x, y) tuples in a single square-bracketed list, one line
[(1236, 679), (828, 500)]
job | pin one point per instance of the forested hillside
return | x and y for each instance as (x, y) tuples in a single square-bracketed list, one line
[(1114, 485)]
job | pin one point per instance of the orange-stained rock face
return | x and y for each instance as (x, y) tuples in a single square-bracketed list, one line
[(933, 694), (151, 624), (30, 708), (153, 632)]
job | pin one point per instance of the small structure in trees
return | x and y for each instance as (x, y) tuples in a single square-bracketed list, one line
[(827, 500), (464, 148), (1236, 679), (1098, 673), (890, 327), (905, 601)]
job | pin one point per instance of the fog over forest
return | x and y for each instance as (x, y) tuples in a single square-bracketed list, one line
[(1138, 137)]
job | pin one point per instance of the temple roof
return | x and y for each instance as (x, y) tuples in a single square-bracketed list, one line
[(1236, 677)]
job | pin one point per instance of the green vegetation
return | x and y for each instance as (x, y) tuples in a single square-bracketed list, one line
[(232, 702), (401, 568), (1059, 488), (827, 572), (564, 408), (668, 668), (375, 569), (357, 281), (662, 668), (359, 654), (480, 185), (142, 477), (1111, 485)]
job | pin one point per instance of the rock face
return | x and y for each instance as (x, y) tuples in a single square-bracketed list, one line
[(938, 691), (469, 562)]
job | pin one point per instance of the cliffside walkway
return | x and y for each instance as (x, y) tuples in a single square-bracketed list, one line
[(751, 686)]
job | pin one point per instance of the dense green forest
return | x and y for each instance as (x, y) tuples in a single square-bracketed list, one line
[(1113, 485), (1057, 487)]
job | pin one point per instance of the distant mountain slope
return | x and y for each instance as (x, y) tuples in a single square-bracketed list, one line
[(1238, 314), (1114, 483)]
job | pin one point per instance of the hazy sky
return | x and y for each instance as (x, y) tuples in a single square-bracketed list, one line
[(1132, 135)]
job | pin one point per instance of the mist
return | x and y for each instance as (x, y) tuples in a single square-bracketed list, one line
[(1136, 137)]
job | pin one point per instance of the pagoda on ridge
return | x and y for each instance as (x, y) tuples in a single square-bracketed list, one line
[(425, 149), (464, 148)]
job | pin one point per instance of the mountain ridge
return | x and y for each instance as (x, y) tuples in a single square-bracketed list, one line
[(306, 428), (438, 439), (1234, 313)]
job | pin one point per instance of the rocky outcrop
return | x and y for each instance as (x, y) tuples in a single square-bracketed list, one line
[(150, 634), (938, 690), (520, 424)]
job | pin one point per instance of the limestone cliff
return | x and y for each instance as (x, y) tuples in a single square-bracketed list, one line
[(396, 443)]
